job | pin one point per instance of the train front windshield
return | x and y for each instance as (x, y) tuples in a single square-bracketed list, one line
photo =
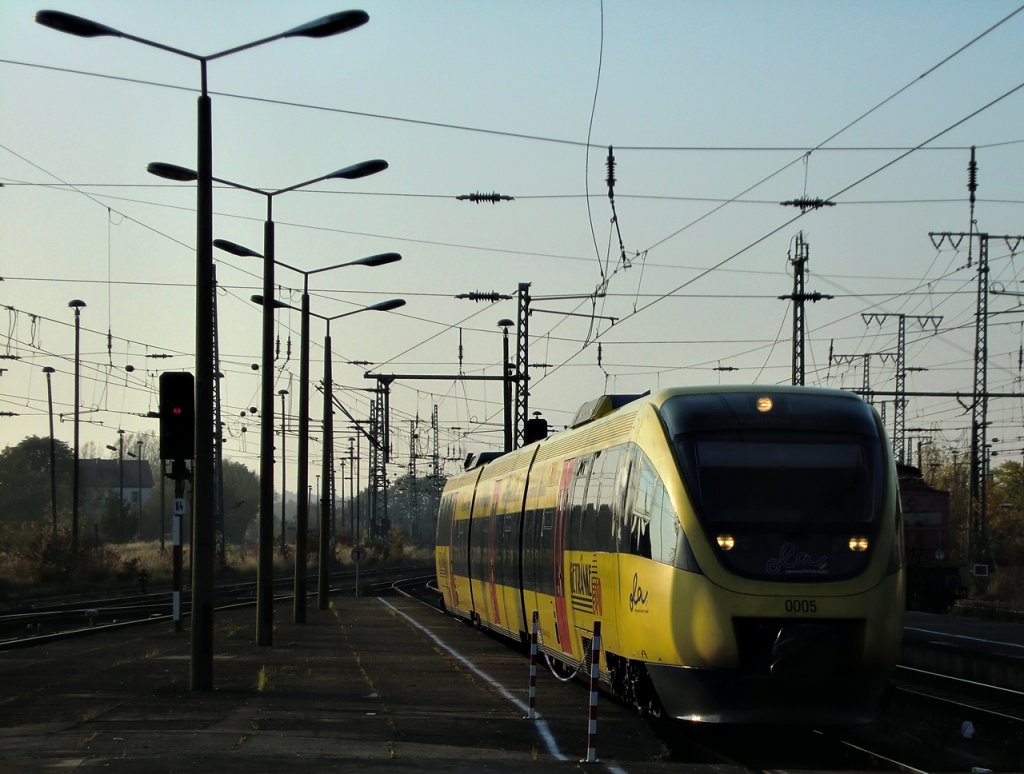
[(783, 481), (783, 475)]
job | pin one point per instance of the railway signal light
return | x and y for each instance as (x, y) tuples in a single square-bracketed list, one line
[(177, 415)]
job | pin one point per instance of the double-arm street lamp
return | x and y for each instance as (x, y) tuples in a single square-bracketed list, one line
[(328, 439), (203, 549), (302, 512), (265, 559)]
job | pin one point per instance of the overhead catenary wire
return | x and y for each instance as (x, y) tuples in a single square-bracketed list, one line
[(588, 337)]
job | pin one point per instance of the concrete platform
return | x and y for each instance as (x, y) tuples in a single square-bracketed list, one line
[(371, 684)]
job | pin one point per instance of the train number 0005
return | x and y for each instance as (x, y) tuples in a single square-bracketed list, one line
[(801, 606)]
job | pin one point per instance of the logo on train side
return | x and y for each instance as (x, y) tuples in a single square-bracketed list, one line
[(793, 562), (638, 596), (585, 588)]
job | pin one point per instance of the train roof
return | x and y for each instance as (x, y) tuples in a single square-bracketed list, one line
[(608, 404)]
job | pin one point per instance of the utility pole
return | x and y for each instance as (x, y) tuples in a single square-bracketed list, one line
[(380, 456), (436, 453), (977, 533), (866, 391), (218, 436), (522, 372), (413, 514), (799, 257), (900, 404), (978, 517)]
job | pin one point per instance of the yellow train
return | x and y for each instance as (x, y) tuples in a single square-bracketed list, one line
[(741, 546)]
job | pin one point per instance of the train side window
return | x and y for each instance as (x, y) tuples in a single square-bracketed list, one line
[(460, 553), (545, 552), (623, 496), (604, 491), (664, 526), (638, 510), (576, 537), (444, 521)]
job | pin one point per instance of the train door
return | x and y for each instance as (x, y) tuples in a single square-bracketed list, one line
[(494, 566), (563, 632), (443, 550), (538, 543), (510, 541), (460, 571)]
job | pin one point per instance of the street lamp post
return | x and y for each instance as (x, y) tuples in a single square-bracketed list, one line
[(341, 499), (265, 560), (77, 305), (203, 549), (49, 371), (302, 514), (284, 481), (138, 445), (120, 485), (506, 382), (352, 490)]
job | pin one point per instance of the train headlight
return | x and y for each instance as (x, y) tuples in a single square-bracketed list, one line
[(726, 542), (859, 543), (764, 404)]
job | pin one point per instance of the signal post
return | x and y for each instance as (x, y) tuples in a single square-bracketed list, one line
[(177, 444)]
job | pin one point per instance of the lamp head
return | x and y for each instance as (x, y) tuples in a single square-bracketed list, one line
[(334, 24), (362, 169), (76, 303), (75, 25), (172, 172), (377, 260), (387, 306), (258, 299), (236, 249)]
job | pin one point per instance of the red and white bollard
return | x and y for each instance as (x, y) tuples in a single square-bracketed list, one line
[(533, 667), (595, 673)]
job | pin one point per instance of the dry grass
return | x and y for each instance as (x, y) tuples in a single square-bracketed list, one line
[(34, 561)]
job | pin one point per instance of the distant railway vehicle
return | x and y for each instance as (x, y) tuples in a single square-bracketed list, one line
[(741, 546), (935, 576)]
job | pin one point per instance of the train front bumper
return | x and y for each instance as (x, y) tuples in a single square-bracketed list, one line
[(728, 696)]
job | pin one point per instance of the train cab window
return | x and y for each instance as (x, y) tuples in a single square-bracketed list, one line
[(664, 526), (807, 458), (606, 497), (651, 526), (787, 481), (642, 495)]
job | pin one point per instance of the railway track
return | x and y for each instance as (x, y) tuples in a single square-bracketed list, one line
[(921, 731), (30, 625)]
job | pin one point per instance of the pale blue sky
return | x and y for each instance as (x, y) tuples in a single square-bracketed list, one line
[(720, 79)]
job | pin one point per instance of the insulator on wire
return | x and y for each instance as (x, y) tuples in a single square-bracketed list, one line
[(478, 197), (610, 166), (972, 176)]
